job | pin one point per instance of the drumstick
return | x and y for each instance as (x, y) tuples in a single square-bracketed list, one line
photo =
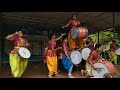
[(99, 68)]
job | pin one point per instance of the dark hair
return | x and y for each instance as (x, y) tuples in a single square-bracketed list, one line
[(82, 24), (73, 15), (50, 36), (22, 30), (87, 42), (89, 38), (113, 41), (63, 38), (98, 46)]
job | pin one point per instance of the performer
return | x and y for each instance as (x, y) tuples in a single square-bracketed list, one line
[(111, 52), (51, 56), (17, 64), (89, 43), (68, 65), (74, 22), (93, 58)]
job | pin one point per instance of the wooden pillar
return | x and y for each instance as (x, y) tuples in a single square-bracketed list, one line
[(114, 37), (0, 42), (98, 36)]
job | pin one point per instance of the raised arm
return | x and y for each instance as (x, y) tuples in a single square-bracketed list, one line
[(59, 37), (10, 37), (89, 60), (66, 25)]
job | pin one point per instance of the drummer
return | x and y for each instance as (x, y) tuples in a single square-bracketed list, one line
[(17, 64), (93, 58), (51, 57), (68, 65), (111, 52), (89, 43), (74, 22)]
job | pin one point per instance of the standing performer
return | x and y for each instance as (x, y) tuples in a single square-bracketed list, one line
[(90, 44), (51, 56), (68, 65), (74, 22), (111, 52), (93, 58), (17, 63)]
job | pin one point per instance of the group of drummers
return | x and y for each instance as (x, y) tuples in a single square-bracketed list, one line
[(68, 53)]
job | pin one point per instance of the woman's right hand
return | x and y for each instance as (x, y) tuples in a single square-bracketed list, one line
[(60, 48), (68, 57), (16, 33), (94, 68), (63, 27), (63, 34)]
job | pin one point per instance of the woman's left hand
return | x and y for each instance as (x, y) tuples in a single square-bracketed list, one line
[(63, 34)]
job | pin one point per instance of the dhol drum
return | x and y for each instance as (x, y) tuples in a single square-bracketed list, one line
[(24, 52), (85, 53), (76, 57), (102, 68), (108, 75), (117, 51), (80, 32)]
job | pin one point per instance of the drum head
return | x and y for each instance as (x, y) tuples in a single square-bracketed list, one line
[(76, 57), (102, 69), (24, 52), (117, 51), (85, 53), (74, 33)]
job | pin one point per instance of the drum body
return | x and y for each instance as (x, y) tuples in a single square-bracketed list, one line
[(117, 51), (108, 75), (79, 32), (110, 66), (85, 53), (76, 57), (24, 52), (103, 68)]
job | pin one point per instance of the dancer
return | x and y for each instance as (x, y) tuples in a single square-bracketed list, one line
[(17, 63), (68, 65), (93, 58), (74, 22), (111, 52), (51, 57)]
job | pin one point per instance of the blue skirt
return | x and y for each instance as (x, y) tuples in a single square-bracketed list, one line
[(67, 63)]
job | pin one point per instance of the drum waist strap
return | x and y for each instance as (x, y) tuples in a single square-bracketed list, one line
[(17, 47)]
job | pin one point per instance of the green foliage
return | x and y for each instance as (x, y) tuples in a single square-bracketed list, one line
[(105, 38)]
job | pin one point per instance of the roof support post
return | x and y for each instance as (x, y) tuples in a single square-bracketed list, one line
[(0, 42), (114, 37), (98, 36)]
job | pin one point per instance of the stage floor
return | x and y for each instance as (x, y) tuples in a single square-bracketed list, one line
[(39, 70)]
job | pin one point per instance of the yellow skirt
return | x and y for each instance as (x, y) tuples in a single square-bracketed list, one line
[(17, 64), (75, 42), (52, 64), (112, 55)]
